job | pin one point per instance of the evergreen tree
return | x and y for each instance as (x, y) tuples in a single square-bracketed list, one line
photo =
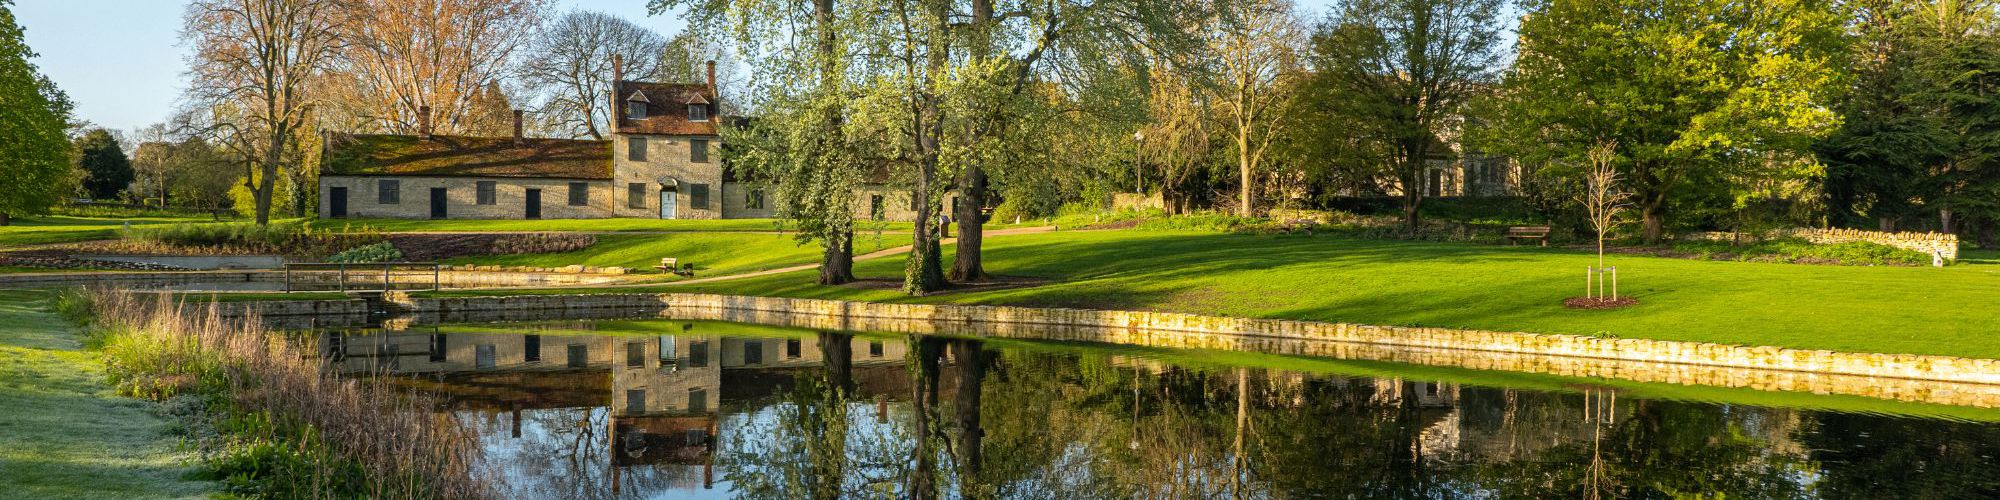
[(101, 158)]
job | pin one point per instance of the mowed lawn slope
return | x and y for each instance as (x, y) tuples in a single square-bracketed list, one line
[(1948, 311), (572, 225), (712, 253), (63, 433), (66, 229)]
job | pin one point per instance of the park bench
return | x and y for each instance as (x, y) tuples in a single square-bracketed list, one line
[(1538, 233), (672, 265)]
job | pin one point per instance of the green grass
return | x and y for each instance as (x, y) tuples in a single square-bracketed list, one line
[(1919, 310), (712, 253), (63, 433), (594, 225), (67, 229)]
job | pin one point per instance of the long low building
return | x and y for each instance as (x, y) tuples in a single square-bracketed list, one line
[(662, 162)]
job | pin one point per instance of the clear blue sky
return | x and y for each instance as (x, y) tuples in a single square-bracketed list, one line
[(121, 60)]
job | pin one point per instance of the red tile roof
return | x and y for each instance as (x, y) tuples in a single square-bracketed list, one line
[(458, 156), (666, 108)]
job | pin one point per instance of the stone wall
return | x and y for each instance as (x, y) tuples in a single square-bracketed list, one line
[(1942, 244), (667, 161), (922, 318), (509, 198)]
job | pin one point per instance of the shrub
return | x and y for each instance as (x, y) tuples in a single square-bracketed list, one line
[(285, 237), (542, 243), (1795, 250), (379, 252)]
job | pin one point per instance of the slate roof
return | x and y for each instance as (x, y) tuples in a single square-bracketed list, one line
[(666, 108), (459, 156)]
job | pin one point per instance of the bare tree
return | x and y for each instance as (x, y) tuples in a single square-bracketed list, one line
[(1602, 197), (1257, 47), (404, 55), (568, 68), (251, 64)]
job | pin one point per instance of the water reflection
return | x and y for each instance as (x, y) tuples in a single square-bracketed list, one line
[(661, 409)]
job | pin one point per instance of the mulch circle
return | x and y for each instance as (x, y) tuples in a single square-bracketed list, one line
[(1598, 302)]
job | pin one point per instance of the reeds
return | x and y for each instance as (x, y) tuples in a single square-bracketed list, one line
[(284, 237), (362, 437)]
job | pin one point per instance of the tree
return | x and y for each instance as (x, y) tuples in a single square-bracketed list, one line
[(569, 68), (252, 62), (1400, 72), (1602, 199), (401, 56), (34, 149), (104, 164), (1957, 48), (1876, 162), (802, 141), (1690, 91), (1257, 47)]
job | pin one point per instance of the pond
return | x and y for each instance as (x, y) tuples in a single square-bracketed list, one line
[(701, 409)]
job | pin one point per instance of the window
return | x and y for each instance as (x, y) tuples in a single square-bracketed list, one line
[(698, 150), (874, 349), (482, 356), (697, 112), (635, 195), (753, 353), (875, 206), (698, 354), (792, 347), (635, 110), (635, 401), (579, 194), (698, 195), (579, 356), (485, 192), (437, 348), (531, 349), (697, 400), (388, 192), (635, 354), (755, 200), (635, 148)]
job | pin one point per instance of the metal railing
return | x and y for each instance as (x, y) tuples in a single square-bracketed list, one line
[(386, 276)]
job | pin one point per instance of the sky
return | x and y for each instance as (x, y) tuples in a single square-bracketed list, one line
[(122, 63)]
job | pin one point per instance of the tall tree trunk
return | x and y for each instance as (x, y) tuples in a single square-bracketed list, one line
[(924, 271), (971, 358), (1249, 191), (966, 265), (836, 265), (1654, 219), (268, 179), (6, 219)]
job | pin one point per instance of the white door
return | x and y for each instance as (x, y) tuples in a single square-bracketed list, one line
[(666, 204)]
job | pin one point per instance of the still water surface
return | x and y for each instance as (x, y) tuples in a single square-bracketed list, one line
[(693, 409)]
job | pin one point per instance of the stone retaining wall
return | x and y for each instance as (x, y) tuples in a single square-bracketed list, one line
[(357, 277), (1944, 244), (922, 318)]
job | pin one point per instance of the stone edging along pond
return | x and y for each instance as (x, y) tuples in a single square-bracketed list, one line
[(925, 318)]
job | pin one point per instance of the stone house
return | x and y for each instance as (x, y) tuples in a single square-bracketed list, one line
[(662, 161)]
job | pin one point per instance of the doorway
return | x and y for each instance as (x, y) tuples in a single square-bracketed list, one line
[(534, 203), (667, 203), (437, 203), (336, 202)]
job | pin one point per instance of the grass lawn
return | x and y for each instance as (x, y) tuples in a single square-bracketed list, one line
[(1949, 311), (65, 229), (612, 225), (63, 433), (712, 253)]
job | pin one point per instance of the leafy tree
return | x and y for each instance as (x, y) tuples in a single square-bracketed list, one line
[(397, 57), (1958, 57), (1256, 50), (1399, 73), (34, 151), (1688, 90), (104, 162), (253, 65), (1876, 161)]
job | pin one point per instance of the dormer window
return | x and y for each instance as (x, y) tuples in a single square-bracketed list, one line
[(635, 110), (697, 112)]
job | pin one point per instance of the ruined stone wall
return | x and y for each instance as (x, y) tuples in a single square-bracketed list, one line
[(1926, 243)]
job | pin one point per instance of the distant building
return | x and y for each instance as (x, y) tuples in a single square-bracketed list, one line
[(663, 161)]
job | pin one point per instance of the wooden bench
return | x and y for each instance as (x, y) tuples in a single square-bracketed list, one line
[(672, 265), (1538, 233)]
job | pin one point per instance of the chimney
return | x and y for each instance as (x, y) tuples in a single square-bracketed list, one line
[(714, 114), (517, 127), (617, 75), (424, 121)]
